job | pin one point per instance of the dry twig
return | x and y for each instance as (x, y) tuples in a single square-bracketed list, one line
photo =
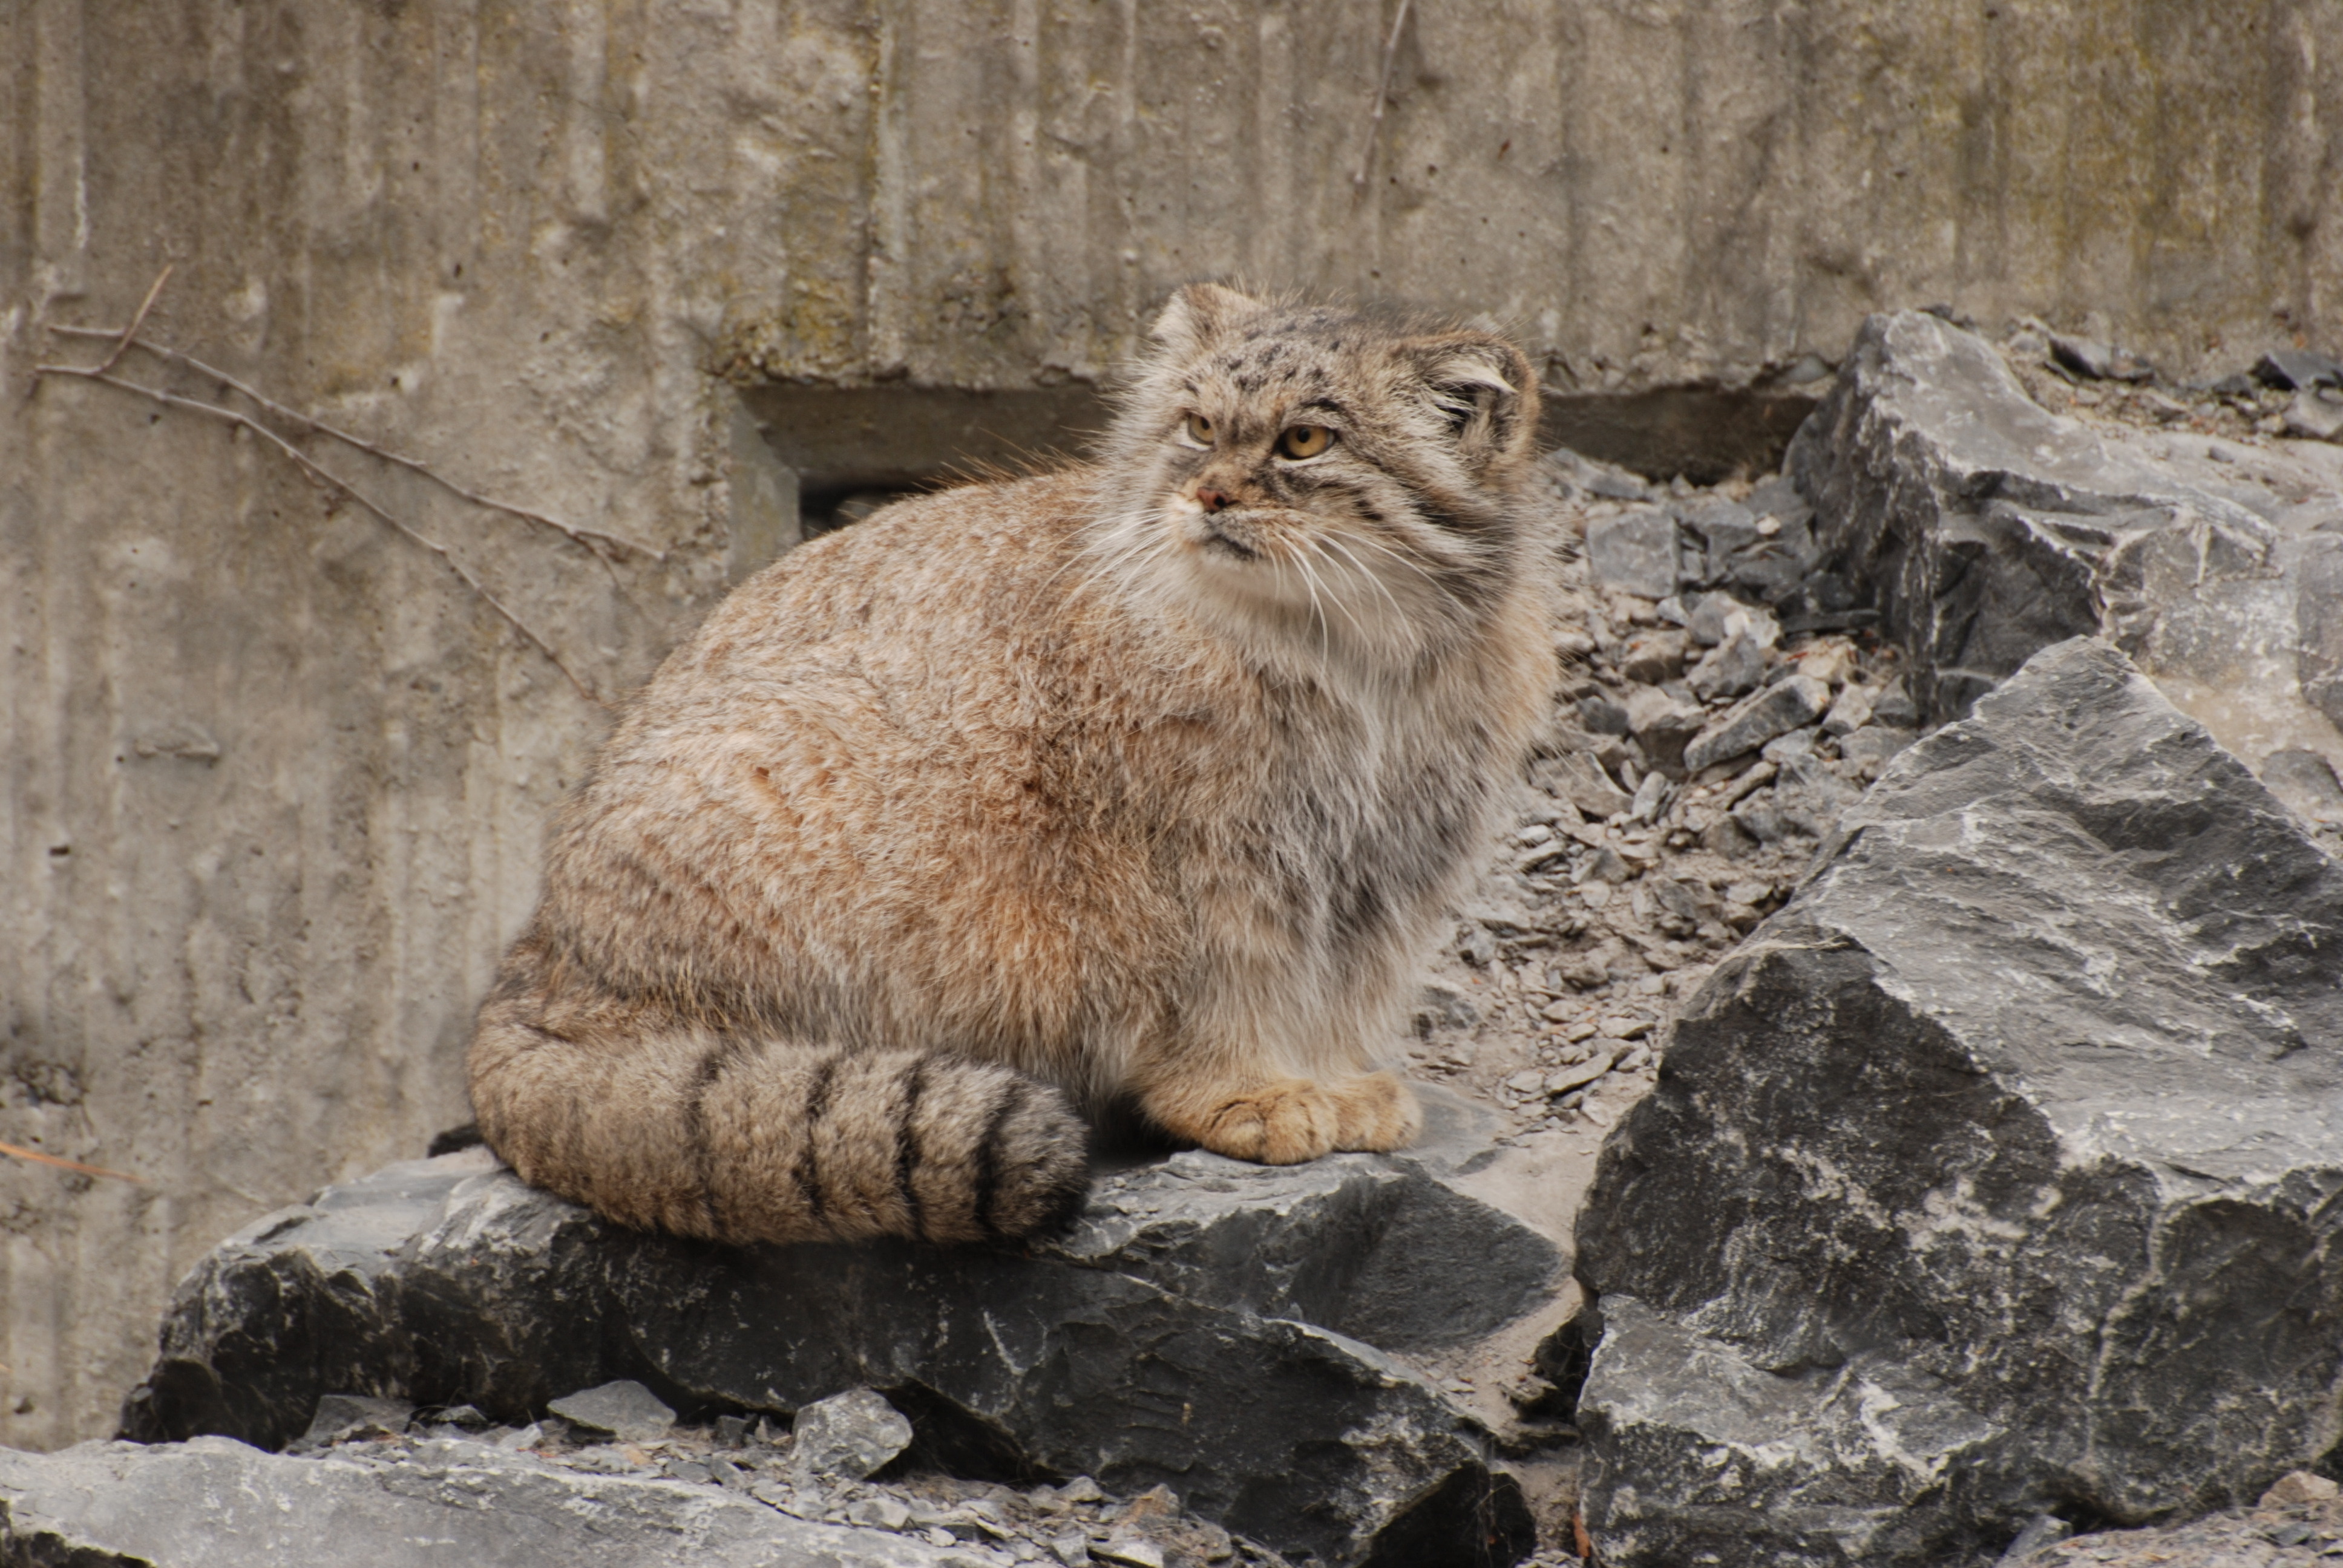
[(39, 1158), (571, 532), (1383, 96), (129, 333), (308, 466)]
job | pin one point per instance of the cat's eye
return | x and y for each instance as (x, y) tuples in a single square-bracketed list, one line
[(1200, 430), (1305, 441)]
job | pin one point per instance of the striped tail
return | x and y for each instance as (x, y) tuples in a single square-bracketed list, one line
[(743, 1139)]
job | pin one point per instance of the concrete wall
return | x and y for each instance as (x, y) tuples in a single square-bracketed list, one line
[(274, 777)]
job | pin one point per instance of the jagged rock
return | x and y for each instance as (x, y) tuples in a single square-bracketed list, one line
[(1635, 552), (853, 1434), (1987, 527), (624, 1409), (2000, 1173), (214, 1502), (1786, 705), (1222, 1328)]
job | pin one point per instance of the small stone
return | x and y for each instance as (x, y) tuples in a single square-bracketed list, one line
[(687, 1469), (1602, 716), (1636, 1060), (625, 1408), (343, 1416), (2305, 783), (1663, 722), (2085, 356), (1534, 833), (1574, 777), (1626, 1026), (1582, 1030), (852, 1435), (1524, 1083), (1849, 712), (2298, 1488), (1560, 1083), (880, 1513), (1556, 1011), (1784, 706), (1894, 706), (2299, 370), (529, 1436), (1071, 1548), (1652, 658), (1635, 552), (463, 1415), (2315, 416), (1132, 1550), (731, 1431), (1649, 796), (1081, 1489), (1873, 745), (1781, 748)]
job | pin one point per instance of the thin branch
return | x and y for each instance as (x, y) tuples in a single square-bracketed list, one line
[(130, 333), (575, 533), (308, 466), (36, 1155), (1383, 96)]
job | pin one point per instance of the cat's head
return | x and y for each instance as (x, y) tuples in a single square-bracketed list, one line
[(1314, 474)]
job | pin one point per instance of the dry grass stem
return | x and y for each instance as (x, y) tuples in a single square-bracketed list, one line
[(1382, 96), (40, 1158), (308, 466), (571, 532)]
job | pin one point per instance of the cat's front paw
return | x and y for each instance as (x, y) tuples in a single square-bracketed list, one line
[(1293, 1120)]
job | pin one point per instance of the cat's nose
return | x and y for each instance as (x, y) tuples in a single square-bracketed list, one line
[(1212, 500)]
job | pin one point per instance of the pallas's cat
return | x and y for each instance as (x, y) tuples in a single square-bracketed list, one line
[(1143, 784)]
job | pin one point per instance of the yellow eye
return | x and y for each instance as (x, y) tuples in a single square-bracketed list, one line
[(1200, 430), (1305, 441)]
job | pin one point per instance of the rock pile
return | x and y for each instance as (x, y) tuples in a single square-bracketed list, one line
[(1999, 1174)]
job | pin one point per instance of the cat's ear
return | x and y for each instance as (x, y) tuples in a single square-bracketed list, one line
[(1483, 387), (1198, 316)]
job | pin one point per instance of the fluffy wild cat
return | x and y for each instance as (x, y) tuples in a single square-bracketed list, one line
[(1143, 783)]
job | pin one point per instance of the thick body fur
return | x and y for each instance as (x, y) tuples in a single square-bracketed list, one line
[(1140, 783)]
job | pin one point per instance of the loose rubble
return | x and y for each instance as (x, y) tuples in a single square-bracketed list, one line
[(1711, 725)]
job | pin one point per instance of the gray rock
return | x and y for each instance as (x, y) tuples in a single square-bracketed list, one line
[(1733, 667), (1576, 777), (1664, 723), (625, 1408), (2315, 416), (213, 1503), (1873, 745), (853, 1436), (2000, 1173), (2304, 781), (1849, 712), (1894, 706), (340, 1416), (1707, 615), (1260, 1305), (1786, 705), (1635, 552), (1713, 530), (1987, 527), (2299, 370)]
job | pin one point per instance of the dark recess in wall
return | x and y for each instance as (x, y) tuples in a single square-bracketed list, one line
[(853, 446)]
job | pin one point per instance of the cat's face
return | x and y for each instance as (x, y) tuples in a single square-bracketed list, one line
[(1312, 473)]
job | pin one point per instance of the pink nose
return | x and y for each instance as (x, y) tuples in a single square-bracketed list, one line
[(1212, 500)]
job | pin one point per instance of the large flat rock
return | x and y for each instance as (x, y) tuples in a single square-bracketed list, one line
[(1237, 1332), (2000, 1173), (214, 1502)]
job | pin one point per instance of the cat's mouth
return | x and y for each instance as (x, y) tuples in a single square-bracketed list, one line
[(1221, 542)]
